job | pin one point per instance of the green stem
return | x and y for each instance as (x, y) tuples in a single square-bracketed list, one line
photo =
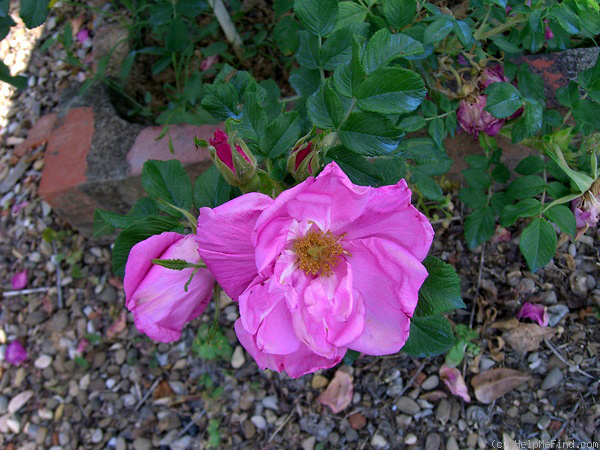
[(321, 71), (439, 116), (500, 28), (337, 130), (480, 29)]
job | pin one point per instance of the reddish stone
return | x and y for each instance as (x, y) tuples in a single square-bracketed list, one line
[(38, 135), (357, 421), (147, 146), (65, 159)]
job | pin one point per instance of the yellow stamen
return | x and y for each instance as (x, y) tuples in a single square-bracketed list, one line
[(318, 253)]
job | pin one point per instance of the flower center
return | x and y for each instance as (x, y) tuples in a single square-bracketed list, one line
[(318, 253)]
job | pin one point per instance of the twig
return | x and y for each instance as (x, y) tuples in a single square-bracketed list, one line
[(148, 394), (194, 421), (564, 425), (474, 305), (411, 381), (58, 286), (572, 366), (280, 427), (227, 26), (24, 292), (451, 219)]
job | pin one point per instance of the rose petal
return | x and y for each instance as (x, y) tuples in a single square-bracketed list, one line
[(19, 280), (452, 377), (338, 394), (534, 312), (15, 353)]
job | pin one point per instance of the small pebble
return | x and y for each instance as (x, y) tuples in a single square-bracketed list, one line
[(43, 361), (410, 439), (259, 422), (430, 383), (553, 379), (238, 358)]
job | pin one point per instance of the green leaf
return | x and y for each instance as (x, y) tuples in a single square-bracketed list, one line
[(464, 34), (526, 186), (337, 49), (534, 117), (305, 81), (473, 198), (557, 190), (308, 53), (501, 174), (174, 264), (391, 90), (350, 357), (429, 336), (503, 100), (34, 12), (378, 172), (427, 185), (441, 290), (177, 37), (530, 165), (412, 123), (563, 217), (528, 207), (567, 18), (437, 131), (211, 189), (568, 95), (399, 13), (477, 178), (438, 29), (538, 243), (253, 122), (369, 134), (384, 47), (281, 135), (20, 82), (142, 230), (479, 226), (325, 108), (285, 35), (167, 181), (221, 100), (317, 16), (350, 13), (587, 112)]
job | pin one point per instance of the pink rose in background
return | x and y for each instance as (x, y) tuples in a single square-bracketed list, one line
[(325, 267), (474, 119), (156, 296), (494, 74), (209, 62), (548, 34), (587, 209), (19, 280), (15, 353)]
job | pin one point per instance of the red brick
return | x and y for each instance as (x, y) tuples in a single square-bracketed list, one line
[(38, 135), (65, 158), (147, 147)]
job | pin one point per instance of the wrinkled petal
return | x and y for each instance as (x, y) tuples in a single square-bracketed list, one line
[(225, 244), (338, 394), (294, 364), (15, 353), (389, 278), (452, 377), (276, 333), (159, 304), (19, 280), (534, 312), (389, 215)]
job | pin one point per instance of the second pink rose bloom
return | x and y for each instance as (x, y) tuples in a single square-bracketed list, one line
[(325, 267)]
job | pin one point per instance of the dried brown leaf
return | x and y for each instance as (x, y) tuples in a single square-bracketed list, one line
[(494, 383), (338, 394), (163, 390), (118, 325), (527, 337)]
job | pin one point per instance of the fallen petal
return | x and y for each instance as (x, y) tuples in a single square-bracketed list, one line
[(19, 280), (338, 394), (452, 377), (494, 383), (534, 312), (15, 353), (117, 326), (17, 402)]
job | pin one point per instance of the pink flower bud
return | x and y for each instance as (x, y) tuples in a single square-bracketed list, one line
[(548, 34), (474, 119), (237, 166), (304, 159)]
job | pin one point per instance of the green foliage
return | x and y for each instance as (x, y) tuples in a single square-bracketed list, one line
[(211, 349)]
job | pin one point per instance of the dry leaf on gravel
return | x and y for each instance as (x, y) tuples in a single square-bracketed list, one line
[(117, 326), (527, 337), (494, 383), (452, 377), (434, 396), (338, 394), (17, 402), (163, 390)]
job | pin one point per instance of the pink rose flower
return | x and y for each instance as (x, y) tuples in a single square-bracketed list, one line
[(156, 296), (489, 75), (325, 267), (474, 119), (15, 353), (587, 209)]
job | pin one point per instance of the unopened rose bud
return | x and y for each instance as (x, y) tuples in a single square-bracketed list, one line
[(236, 162), (304, 159), (548, 34), (474, 119)]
